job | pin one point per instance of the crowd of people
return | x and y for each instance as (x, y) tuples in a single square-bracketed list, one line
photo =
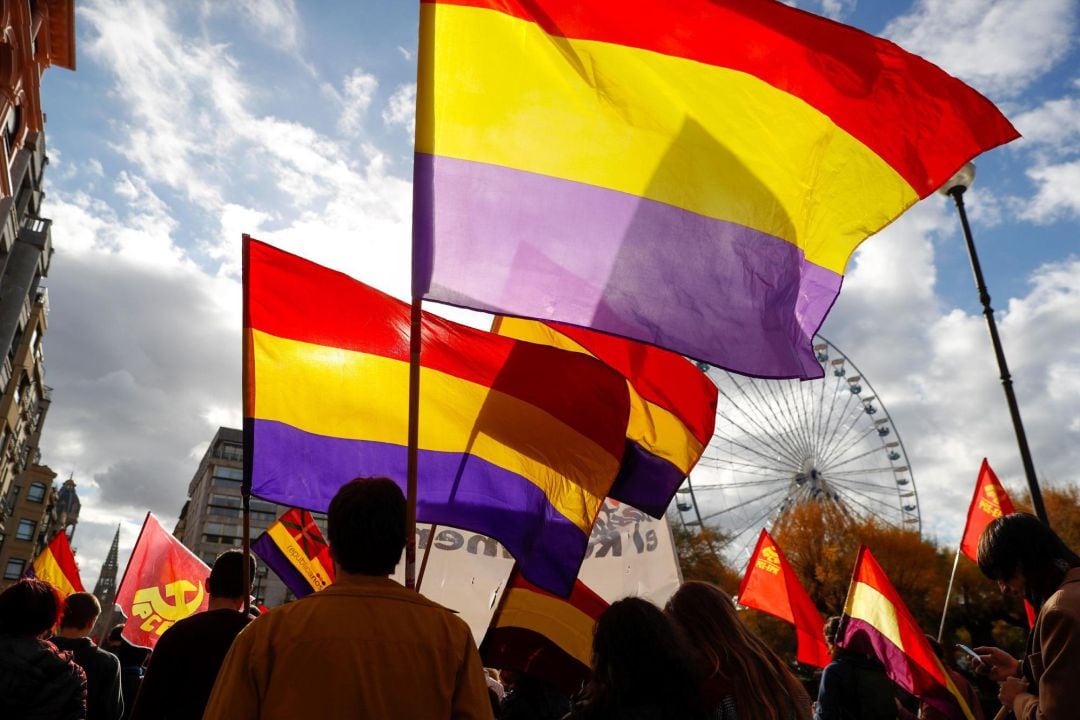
[(367, 647)]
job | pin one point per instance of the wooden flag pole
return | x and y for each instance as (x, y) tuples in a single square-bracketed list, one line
[(248, 390), (414, 435), (948, 595), (427, 553)]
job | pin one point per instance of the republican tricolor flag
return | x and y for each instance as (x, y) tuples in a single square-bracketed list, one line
[(56, 566), (693, 174), (672, 408), (294, 548), (517, 441), (771, 586), (538, 633), (876, 622)]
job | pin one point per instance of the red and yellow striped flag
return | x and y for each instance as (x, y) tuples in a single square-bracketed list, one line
[(56, 566)]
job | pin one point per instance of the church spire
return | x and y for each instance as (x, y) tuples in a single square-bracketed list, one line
[(105, 589)]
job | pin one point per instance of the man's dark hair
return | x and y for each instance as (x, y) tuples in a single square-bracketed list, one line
[(80, 610), (832, 629), (366, 525), (29, 607), (227, 575), (1023, 543)]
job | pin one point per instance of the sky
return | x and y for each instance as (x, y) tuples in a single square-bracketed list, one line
[(190, 122)]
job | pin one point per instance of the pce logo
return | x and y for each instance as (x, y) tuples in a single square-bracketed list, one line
[(159, 614)]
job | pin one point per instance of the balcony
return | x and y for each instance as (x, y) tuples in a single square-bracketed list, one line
[(38, 232)]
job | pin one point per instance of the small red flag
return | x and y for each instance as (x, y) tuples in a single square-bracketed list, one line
[(771, 586), (164, 582), (989, 502), (56, 566)]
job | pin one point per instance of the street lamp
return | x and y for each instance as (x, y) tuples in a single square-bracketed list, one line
[(955, 188)]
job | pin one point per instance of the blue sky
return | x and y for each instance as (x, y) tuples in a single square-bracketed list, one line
[(188, 123)]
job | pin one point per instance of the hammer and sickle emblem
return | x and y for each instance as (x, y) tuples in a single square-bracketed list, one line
[(992, 493), (771, 555), (159, 614)]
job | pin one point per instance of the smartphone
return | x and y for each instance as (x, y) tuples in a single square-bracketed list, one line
[(970, 652)]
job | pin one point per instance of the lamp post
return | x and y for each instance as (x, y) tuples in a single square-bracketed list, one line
[(955, 188)]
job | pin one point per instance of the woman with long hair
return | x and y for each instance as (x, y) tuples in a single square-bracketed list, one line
[(1029, 560), (642, 668), (742, 677)]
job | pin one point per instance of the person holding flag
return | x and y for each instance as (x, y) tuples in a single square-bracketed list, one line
[(1029, 560)]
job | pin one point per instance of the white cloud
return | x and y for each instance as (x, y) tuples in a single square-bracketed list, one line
[(1055, 123), (405, 53), (359, 90), (999, 46), (1058, 193), (400, 110)]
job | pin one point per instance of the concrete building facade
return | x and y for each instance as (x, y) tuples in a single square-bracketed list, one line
[(211, 521), (36, 510)]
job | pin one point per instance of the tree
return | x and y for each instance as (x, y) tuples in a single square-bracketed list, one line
[(700, 557)]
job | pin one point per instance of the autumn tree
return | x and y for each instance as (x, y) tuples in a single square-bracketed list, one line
[(701, 558)]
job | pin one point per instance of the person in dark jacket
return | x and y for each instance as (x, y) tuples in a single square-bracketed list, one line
[(188, 656), (133, 659), (530, 698), (37, 680), (853, 686), (104, 700)]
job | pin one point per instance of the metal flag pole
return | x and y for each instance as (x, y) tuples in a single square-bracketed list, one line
[(955, 189), (414, 434), (247, 379), (948, 595)]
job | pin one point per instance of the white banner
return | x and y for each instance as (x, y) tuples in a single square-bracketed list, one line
[(629, 553)]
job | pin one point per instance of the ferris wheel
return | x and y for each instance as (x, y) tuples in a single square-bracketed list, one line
[(779, 443)]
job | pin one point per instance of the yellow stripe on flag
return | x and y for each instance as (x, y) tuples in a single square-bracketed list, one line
[(310, 568)]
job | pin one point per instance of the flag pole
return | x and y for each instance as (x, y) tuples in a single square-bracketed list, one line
[(414, 434), (948, 595), (247, 379), (427, 552)]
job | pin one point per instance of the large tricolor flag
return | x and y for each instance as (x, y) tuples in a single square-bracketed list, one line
[(876, 622), (538, 633), (517, 441), (164, 582), (294, 548), (693, 174), (672, 408), (771, 586), (56, 566)]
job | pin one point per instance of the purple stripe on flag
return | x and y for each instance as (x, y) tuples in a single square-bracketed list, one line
[(301, 469), (519, 243), (861, 636), (275, 559), (646, 481)]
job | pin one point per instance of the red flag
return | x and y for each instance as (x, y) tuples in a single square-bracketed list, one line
[(989, 502), (164, 582), (771, 586)]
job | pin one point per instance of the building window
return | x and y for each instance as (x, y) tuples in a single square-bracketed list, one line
[(26, 530), (230, 451), (14, 568), (36, 493)]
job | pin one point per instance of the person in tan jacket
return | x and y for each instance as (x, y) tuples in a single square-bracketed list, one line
[(364, 647), (1029, 560)]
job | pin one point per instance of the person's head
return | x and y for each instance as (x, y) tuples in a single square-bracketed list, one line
[(641, 659), (832, 633), (226, 581), (366, 526), (727, 648), (30, 608), (1025, 557), (115, 636), (81, 611)]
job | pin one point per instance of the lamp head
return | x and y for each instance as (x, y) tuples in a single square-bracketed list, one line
[(960, 181)]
